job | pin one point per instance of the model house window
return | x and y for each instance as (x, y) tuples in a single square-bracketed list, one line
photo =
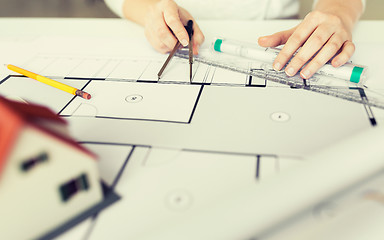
[(30, 163), (73, 186)]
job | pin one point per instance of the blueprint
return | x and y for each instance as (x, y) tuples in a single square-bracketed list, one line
[(186, 145)]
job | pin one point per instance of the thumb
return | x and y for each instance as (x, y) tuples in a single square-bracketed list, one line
[(275, 39)]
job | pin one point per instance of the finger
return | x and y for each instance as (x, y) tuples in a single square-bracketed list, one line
[(346, 53), (275, 39), (172, 19), (156, 43), (314, 43), (298, 37), (162, 32), (198, 38), (322, 57)]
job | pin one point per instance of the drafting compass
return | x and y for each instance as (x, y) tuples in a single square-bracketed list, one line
[(189, 29)]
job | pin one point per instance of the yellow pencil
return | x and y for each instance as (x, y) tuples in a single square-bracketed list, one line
[(50, 82)]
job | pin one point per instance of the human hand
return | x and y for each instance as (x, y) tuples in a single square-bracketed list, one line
[(165, 17), (321, 36)]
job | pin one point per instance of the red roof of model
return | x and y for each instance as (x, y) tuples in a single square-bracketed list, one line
[(15, 115), (32, 112)]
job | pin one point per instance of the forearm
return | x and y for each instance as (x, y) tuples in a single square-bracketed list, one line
[(349, 11), (136, 10)]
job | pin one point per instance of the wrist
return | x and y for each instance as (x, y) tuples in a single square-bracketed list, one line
[(344, 14), (348, 12)]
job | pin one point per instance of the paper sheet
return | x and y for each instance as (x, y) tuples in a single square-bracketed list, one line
[(187, 139), (140, 101)]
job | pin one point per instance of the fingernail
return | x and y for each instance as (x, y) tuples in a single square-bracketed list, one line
[(277, 66), (305, 74), (184, 42), (290, 71)]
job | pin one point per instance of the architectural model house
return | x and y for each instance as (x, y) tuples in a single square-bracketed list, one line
[(46, 178)]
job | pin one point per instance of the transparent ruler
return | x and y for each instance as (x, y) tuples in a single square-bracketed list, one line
[(319, 84)]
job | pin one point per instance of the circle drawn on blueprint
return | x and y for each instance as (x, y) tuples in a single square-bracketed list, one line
[(280, 117), (178, 200), (134, 98)]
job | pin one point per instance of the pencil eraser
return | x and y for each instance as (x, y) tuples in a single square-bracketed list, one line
[(86, 96)]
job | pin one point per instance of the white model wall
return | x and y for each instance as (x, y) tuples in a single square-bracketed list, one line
[(30, 201)]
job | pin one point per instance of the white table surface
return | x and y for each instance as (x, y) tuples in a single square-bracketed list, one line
[(17, 36)]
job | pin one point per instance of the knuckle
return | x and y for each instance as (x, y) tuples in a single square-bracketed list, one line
[(300, 59), (309, 15), (283, 55), (343, 57), (352, 46), (314, 15), (346, 55), (172, 20), (316, 63), (336, 20), (296, 38), (345, 35), (348, 50), (337, 38), (319, 39), (334, 46)]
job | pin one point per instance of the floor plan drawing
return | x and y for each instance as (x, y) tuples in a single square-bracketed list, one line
[(127, 100), (226, 154), (133, 169), (126, 94), (228, 128)]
